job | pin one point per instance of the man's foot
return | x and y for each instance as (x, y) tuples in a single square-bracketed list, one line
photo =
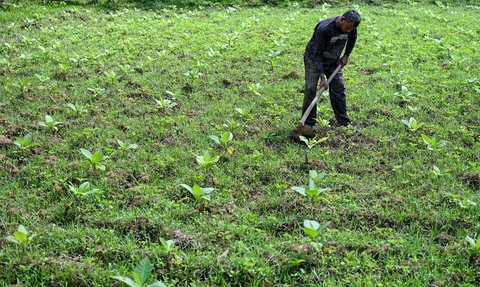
[(306, 131), (335, 123)]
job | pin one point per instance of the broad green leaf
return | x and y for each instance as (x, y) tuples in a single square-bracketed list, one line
[(12, 239), (84, 186), (143, 270), (299, 189), (187, 187), (127, 281), (304, 139), (22, 229), (48, 119), (215, 139), (311, 224), (311, 184), (20, 236), (97, 156), (197, 190), (312, 193), (313, 228), (86, 153), (207, 190), (310, 232), (227, 137), (321, 140), (157, 284), (470, 240)]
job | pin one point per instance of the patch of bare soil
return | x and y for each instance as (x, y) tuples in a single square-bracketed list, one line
[(11, 129), (472, 180), (381, 112), (141, 227), (139, 95), (292, 75), (302, 248), (184, 240), (356, 140), (4, 141), (444, 238)]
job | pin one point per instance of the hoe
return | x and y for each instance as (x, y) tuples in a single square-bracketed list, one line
[(301, 123)]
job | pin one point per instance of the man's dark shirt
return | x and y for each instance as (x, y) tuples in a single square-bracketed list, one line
[(327, 43)]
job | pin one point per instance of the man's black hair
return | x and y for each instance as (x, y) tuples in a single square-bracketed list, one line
[(352, 16)]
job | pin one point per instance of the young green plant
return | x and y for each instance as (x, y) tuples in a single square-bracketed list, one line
[(412, 124), (312, 191), (432, 143), (199, 193), (312, 228), (25, 142), (50, 124), (83, 190), (21, 237), (311, 143), (96, 158), (140, 276)]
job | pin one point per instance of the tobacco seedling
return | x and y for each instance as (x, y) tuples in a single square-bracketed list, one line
[(76, 109), (168, 246), (412, 124), (164, 104), (243, 112), (255, 88), (311, 143), (313, 191), (463, 203), (474, 245), (224, 139), (325, 123), (50, 123), (199, 192), (317, 177), (432, 143), (313, 228), (96, 158), (439, 171), (21, 237), (232, 125), (83, 190), (25, 142), (207, 160), (140, 275), (111, 75), (123, 146), (405, 95)]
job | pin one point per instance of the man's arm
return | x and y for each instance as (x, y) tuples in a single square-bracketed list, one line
[(319, 46), (352, 39)]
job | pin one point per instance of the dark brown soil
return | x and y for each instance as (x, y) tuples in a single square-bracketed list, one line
[(11, 129), (473, 180), (292, 75)]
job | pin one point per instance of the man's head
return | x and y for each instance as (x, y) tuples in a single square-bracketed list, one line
[(349, 21)]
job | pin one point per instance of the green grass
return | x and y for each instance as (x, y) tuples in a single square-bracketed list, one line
[(393, 222)]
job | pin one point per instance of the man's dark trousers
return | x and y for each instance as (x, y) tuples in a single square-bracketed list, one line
[(336, 91)]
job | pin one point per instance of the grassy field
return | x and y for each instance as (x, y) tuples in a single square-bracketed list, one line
[(150, 89)]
